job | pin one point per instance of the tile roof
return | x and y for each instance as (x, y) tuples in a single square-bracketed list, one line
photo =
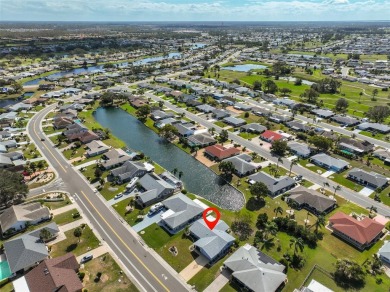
[(221, 152)]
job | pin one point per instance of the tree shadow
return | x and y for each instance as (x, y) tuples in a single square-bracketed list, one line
[(71, 247), (254, 204)]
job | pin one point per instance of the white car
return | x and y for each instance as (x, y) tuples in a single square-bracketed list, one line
[(155, 208), (95, 190), (118, 196)]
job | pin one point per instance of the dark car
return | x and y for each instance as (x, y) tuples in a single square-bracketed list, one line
[(42, 139)]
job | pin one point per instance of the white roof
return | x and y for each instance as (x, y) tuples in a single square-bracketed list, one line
[(20, 285), (166, 214), (318, 287)]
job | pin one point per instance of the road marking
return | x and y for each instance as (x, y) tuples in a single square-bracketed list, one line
[(124, 243)]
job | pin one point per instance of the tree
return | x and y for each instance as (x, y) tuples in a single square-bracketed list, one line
[(279, 147), (168, 132), (336, 188), (180, 174), (77, 233), (320, 222), (223, 136), (258, 190), (262, 220), (270, 229), (327, 85), (226, 167), (349, 273), (298, 244), (374, 93), (107, 98), (278, 210), (298, 82), (378, 113), (45, 234), (322, 143), (143, 112), (285, 91), (312, 95), (341, 105), (270, 86), (257, 85), (174, 171), (280, 160), (12, 187), (292, 163), (161, 104), (98, 172)]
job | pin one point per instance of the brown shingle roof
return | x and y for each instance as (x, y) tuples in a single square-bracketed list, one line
[(58, 274), (221, 152), (363, 231)]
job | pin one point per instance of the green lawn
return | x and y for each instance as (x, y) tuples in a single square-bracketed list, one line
[(247, 135), (160, 240), (343, 181), (66, 217), (87, 242), (109, 190), (50, 130), (112, 278), (31, 152), (130, 217), (73, 153), (51, 205)]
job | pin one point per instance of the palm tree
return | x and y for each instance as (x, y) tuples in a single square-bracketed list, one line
[(196, 150), (278, 210), (180, 174), (272, 169), (298, 244), (373, 209), (293, 162), (279, 160), (174, 171), (77, 233), (320, 222), (307, 218), (212, 130), (336, 188), (270, 228)]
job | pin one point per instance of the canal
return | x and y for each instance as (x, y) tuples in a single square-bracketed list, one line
[(197, 178)]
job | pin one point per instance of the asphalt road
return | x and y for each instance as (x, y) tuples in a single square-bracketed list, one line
[(307, 174), (148, 273)]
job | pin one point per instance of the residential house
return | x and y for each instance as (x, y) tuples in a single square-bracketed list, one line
[(323, 113), (242, 107), (185, 129), (259, 111), (128, 171), (311, 200), (4, 135), (359, 233), (329, 162), (235, 122), (384, 252), (275, 186), (314, 286), (18, 217), (168, 121), (374, 127), (201, 140), (243, 165), (25, 251), (255, 271), (62, 122), (114, 158), (155, 189), (95, 148), (137, 101), (355, 146), (369, 179), (56, 274), (345, 120), (271, 136), (182, 211), (301, 150), (218, 152), (284, 102), (298, 126), (213, 244), (253, 128), (220, 114), (205, 108), (382, 154), (159, 115), (8, 144), (280, 118), (12, 161)]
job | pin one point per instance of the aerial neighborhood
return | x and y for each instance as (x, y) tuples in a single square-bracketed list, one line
[(115, 142)]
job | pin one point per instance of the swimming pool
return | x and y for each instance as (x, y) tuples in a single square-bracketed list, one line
[(5, 271)]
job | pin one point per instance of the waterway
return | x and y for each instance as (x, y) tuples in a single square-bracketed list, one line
[(244, 67), (12, 101), (197, 178), (99, 68)]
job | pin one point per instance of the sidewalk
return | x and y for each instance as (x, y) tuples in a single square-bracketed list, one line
[(72, 225), (54, 134), (86, 164), (193, 268), (63, 209)]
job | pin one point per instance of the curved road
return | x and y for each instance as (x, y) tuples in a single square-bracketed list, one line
[(149, 274)]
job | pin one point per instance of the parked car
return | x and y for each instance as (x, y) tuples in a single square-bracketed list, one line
[(155, 208), (86, 258), (118, 196)]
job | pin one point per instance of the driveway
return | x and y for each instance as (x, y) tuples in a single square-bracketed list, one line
[(124, 197), (366, 192), (194, 267), (328, 173), (155, 218)]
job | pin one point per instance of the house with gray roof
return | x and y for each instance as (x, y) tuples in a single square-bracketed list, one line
[(114, 158), (276, 186), (323, 113), (259, 111), (185, 129), (242, 107), (164, 122), (255, 271), (96, 147), (243, 165), (345, 120), (9, 144), (220, 114), (201, 140), (182, 211), (312, 200), (299, 149), (382, 154), (369, 179), (28, 250), (253, 128), (128, 171), (355, 146), (384, 252), (15, 218), (213, 244), (374, 127), (154, 188), (158, 115), (298, 126), (235, 122), (329, 162), (205, 108)]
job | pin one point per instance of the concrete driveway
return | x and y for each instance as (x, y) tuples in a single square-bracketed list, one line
[(366, 192), (328, 173), (155, 218)]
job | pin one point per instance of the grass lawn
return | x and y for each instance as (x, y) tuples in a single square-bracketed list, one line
[(51, 205), (112, 278), (342, 180), (31, 152), (109, 190), (247, 135), (220, 124), (73, 153), (384, 196), (87, 242), (66, 217), (85, 160), (50, 130), (324, 279), (131, 217), (160, 240), (314, 168)]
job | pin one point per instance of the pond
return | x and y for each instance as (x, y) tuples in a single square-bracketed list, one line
[(12, 101), (197, 178), (292, 79), (244, 67)]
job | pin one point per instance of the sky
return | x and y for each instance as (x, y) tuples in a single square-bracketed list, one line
[(194, 10)]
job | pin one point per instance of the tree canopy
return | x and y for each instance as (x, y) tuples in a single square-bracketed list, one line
[(341, 105), (258, 190), (12, 187), (322, 143), (226, 167), (378, 113), (168, 132), (279, 147), (142, 112)]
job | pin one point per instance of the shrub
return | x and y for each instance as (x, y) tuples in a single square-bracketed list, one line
[(81, 276), (184, 191), (76, 215)]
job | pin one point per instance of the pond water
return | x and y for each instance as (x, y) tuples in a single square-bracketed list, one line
[(198, 46), (244, 67), (292, 79), (197, 178), (12, 101)]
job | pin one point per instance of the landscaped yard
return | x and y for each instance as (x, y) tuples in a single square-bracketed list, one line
[(160, 240), (51, 205), (87, 242), (111, 279), (130, 217), (66, 217)]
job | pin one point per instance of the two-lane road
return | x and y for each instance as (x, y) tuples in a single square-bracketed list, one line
[(148, 273)]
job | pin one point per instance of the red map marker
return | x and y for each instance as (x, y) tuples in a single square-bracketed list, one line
[(211, 224)]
